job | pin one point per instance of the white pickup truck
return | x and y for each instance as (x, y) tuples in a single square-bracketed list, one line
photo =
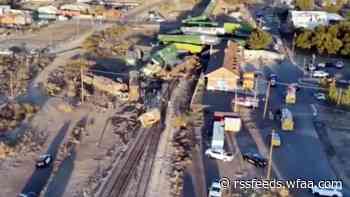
[(246, 102)]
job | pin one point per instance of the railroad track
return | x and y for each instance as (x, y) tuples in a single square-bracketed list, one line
[(146, 170), (121, 175), (146, 140)]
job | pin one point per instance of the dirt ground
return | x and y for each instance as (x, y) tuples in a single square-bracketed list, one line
[(336, 137), (52, 34)]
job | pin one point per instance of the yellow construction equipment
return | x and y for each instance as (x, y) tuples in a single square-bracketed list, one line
[(287, 122), (291, 94), (150, 118)]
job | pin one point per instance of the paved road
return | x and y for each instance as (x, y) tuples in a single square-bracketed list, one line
[(302, 154)]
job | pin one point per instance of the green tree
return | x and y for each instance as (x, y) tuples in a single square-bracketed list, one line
[(305, 4), (346, 44), (346, 97), (304, 40), (259, 39), (334, 7), (332, 92), (326, 41)]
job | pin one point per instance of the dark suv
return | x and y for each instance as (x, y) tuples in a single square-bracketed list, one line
[(255, 159)]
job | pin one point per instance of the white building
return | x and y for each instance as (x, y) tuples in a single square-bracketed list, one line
[(217, 142), (48, 10), (312, 19), (4, 9)]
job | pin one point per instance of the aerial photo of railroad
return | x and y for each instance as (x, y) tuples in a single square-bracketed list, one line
[(174, 98)]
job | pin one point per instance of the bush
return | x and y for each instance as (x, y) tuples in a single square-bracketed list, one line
[(259, 39), (305, 4)]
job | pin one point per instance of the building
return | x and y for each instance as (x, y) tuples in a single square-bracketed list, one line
[(16, 18), (74, 9), (312, 19), (227, 75), (4, 9)]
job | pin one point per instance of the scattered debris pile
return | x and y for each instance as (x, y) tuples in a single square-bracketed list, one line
[(184, 69), (108, 43), (106, 85), (74, 139), (30, 141), (11, 114), (125, 124), (17, 70), (5, 151), (56, 82), (183, 142)]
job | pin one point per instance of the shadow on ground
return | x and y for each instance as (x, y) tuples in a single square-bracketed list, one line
[(40, 177)]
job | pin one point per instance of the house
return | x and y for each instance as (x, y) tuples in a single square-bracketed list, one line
[(16, 18), (227, 75), (312, 19), (48, 10), (74, 9), (4, 9)]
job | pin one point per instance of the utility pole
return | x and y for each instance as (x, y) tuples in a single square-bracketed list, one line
[(11, 85), (81, 83), (77, 33), (293, 44), (270, 157), (267, 99), (340, 95), (235, 108), (255, 91)]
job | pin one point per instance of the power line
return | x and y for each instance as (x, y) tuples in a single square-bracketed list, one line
[(109, 72)]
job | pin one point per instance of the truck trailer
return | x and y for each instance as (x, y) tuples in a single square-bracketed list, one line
[(217, 142)]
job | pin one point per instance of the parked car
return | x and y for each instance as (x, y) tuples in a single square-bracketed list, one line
[(326, 192), (311, 67), (320, 96), (339, 64), (273, 80), (321, 65), (30, 194), (215, 190), (255, 159), (320, 74), (44, 161), (220, 155)]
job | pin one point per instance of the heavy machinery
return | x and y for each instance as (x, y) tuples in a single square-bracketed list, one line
[(287, 123), (150, 118), (291, 95)]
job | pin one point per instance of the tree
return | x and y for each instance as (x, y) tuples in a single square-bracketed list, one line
[(259, 39), (304, 40), (346, 97), (305, 4), (333, 92), (334, 7), (325, 40)]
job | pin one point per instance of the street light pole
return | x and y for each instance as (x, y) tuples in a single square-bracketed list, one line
[(81, 84), (267, 99), (270, 157), (235, 106)]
